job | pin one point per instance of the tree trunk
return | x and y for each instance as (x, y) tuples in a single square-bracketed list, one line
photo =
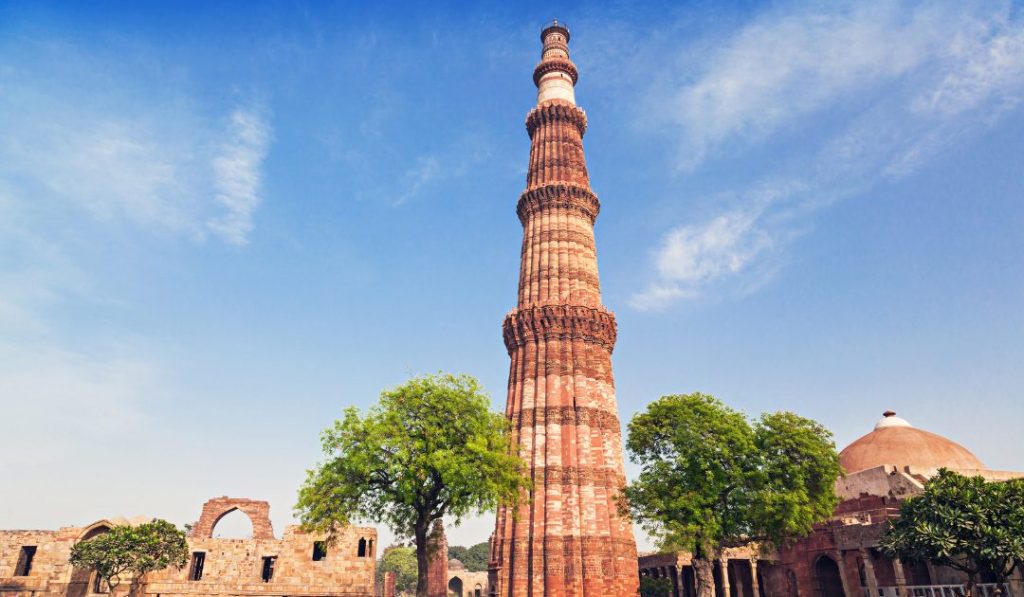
[(422, 560), (704, 575), (969, 585)]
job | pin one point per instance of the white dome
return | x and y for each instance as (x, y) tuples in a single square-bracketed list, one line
[(889, 419)]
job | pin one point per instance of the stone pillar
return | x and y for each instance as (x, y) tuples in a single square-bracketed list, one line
[(389, 584), (869, 572), (844, 573), (569, 539), (901, 577), (437, 573), (1016, 583), (755, 585), (723, 564)]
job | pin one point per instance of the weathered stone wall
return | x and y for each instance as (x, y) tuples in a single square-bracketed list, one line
[(258, 512), (50, 568), (232, 566), (473, 584)]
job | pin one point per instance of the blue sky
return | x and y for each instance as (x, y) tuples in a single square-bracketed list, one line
[(220, 224)]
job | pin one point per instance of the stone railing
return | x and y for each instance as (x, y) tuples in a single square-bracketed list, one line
[(980, 590)]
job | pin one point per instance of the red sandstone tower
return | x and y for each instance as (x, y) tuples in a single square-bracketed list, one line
[(570, 540)]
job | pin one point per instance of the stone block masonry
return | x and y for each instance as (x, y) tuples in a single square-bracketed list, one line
[(297, 564), (568, 539)]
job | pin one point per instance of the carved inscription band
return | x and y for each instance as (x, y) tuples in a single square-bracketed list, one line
[(604, 478), (595, 418), (595, 546)]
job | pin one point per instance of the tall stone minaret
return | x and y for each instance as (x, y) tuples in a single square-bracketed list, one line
[(569, 540)]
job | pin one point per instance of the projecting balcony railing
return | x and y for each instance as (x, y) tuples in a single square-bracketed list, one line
[(980, 590)]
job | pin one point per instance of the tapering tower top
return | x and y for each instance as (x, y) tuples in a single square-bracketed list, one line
[(556, 75)]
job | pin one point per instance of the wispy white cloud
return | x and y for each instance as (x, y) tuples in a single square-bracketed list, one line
[(782, 67), (413, 178), (98, 139), (691, 257), (238, 172), (885, 88), (426, 170)]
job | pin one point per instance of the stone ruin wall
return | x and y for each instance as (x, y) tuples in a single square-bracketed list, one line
[(232, 566)]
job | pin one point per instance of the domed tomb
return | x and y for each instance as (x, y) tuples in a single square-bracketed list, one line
[(894, 441)]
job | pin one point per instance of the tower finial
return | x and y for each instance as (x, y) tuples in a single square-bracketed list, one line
[(556, 75)]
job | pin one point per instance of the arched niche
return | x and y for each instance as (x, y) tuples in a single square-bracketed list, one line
[(827, 579), (84, 581), (455, 586), (232, 524)]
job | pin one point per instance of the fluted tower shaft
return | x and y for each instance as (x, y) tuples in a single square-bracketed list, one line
[(569, 540)]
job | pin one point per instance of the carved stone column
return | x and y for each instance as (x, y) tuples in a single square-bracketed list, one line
[(755, 586), (869, 572), (843, 576), (1016, 584), (901, 577), (724, 567)]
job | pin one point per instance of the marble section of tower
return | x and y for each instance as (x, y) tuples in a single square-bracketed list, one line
[(569, 540)]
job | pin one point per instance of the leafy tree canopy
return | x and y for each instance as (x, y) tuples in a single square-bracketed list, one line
[(429, 449), (966, 523), (476, 558), (655, 587), (132, 550), (402, 561), (711, 479)]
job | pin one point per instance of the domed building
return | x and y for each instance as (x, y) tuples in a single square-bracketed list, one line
[(894, 441), (883, 467), (840, 558)]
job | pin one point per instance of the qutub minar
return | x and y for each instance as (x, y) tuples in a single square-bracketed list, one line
[(569, 539)]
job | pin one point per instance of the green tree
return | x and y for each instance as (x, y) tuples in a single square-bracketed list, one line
[(430, 448), (131, 550), (655, 587), (402, 561), (965, 523), (476, 558), (711, 480)]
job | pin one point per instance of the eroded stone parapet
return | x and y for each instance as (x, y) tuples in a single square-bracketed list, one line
[(556, 111), (558, 195), (559, 322)]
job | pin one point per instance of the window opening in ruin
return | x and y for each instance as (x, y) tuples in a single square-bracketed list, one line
[(319, 550), (24, 568), (362, 547), (369, 549), (195, 572), (233, 524), (268, 567)]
